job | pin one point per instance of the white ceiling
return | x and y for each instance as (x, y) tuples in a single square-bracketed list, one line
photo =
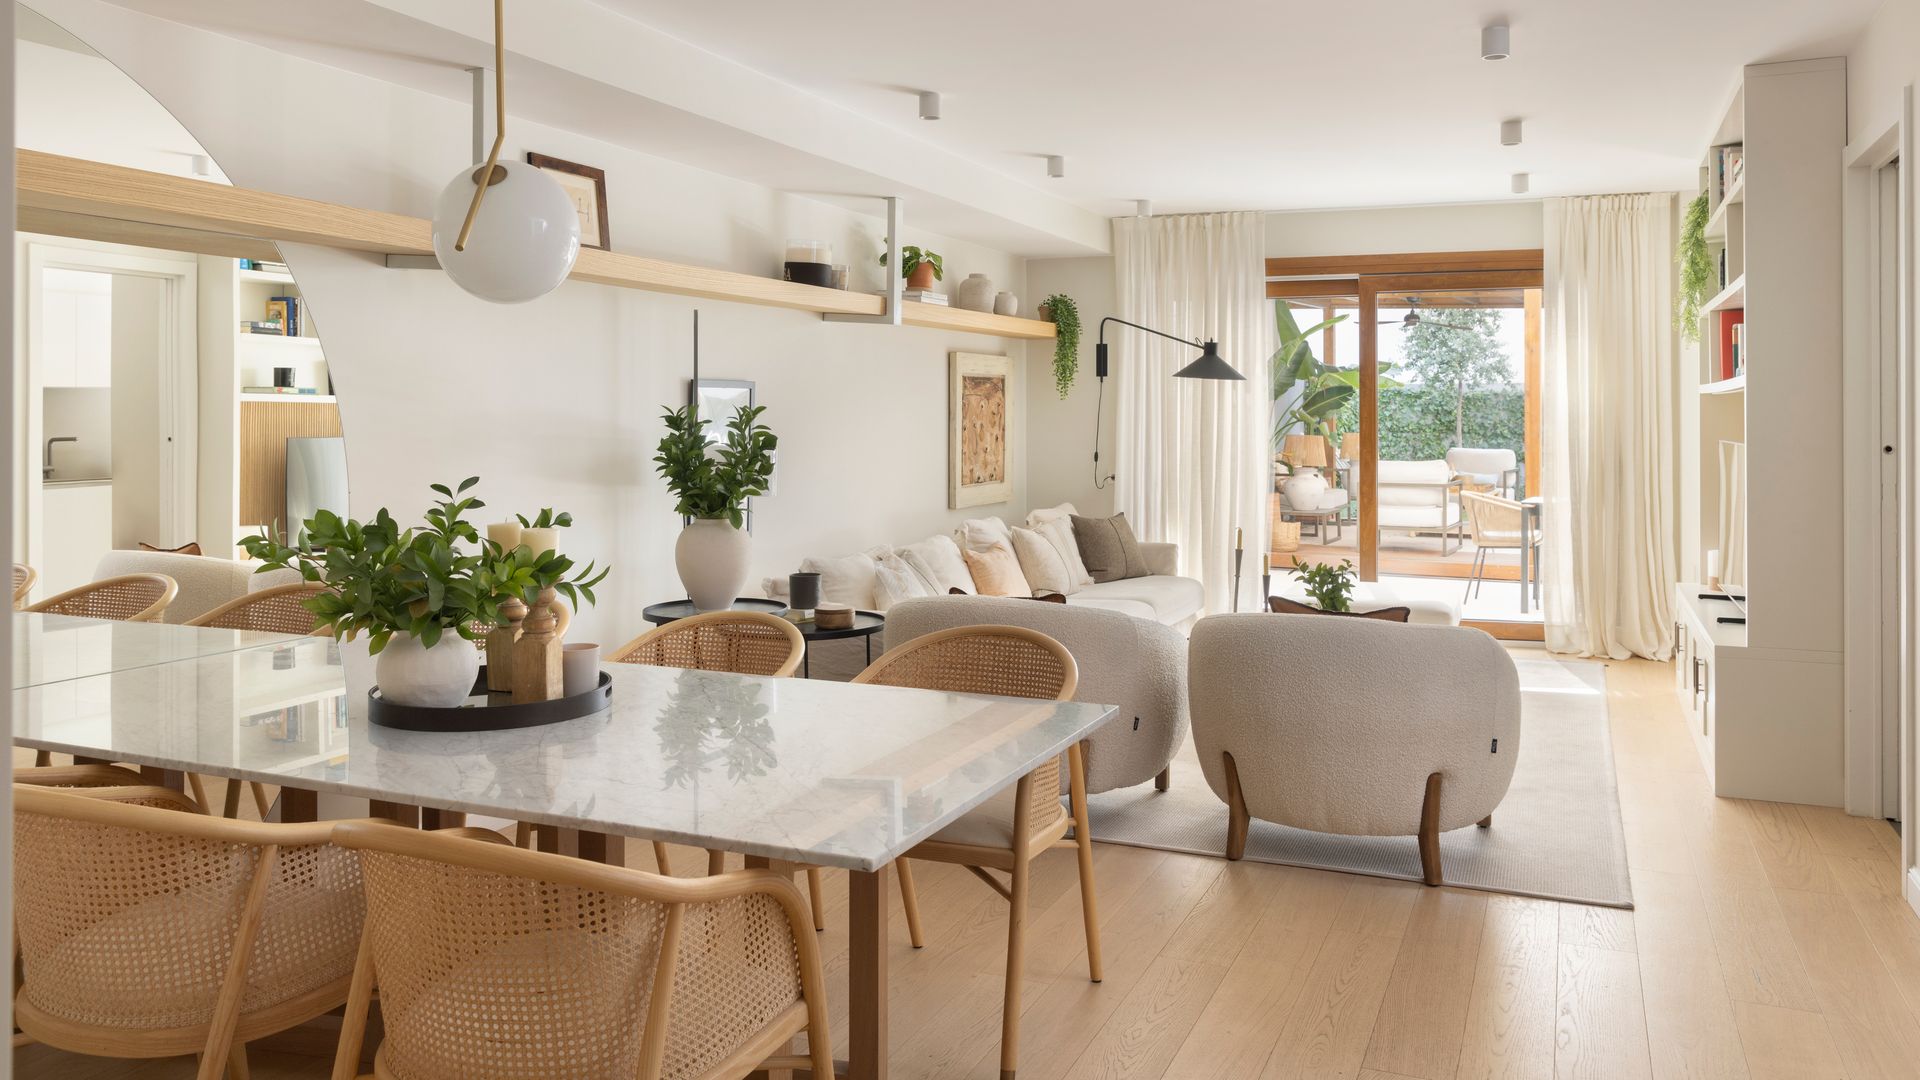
[(1253, 104), (1215, 104)]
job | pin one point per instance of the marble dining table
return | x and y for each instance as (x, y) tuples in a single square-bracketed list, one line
[(783, 771)]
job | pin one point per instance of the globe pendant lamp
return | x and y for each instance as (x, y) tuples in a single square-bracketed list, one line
[(505, 231)]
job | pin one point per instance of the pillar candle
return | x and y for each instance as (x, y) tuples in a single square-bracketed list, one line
[(540, 541), (1237, 544), (505, 533)]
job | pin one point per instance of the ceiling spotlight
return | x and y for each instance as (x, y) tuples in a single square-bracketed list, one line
[(1056, 166), (1520, 183), (1495, 42), (929, 105), (1509, 133), (1143, 207)]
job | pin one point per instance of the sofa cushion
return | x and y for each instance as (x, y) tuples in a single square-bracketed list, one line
[(846, 579), (1171, 599), (1040, 561), (1108, 547), (979, 534), (1413, 483), (894, 581), (1432, 516), (996, 571), (937, 560), (1139, 609), (1058, 531)]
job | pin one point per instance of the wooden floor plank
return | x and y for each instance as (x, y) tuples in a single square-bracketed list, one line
[(1327, 1032), (1508, 1033), (1786, 846), (1690, 1023), (1600, 1029), (1786, 1044), (1758, 958), (1423, 1017), (1876, 1032), (1598, 927)]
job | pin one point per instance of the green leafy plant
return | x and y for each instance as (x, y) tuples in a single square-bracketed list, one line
[(1331, 587), (384, 580), (1065, 315), (912, 257), (546, 519), (1696, 269), (1325, 389), (716, 481)]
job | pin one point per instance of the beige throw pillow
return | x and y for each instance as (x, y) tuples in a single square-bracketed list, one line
[(1040, 561), (1058, 531), (1108, 546), (937, 560), (847, 579), (996, 572), (895, 581)]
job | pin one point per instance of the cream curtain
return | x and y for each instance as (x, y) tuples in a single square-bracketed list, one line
[(1607, 402), (1191, 455)]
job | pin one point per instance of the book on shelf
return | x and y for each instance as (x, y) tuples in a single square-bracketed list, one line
[(295, 391), (264, 266), (1730, 322), (287, 310), (1740, 348), (924, 296), (1730, 167), (264, 326)]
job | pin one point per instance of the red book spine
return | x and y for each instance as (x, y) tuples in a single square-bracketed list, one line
[(1728, 320)]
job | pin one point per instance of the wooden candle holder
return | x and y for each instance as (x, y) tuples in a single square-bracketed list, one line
[(500, 643), (536, 656)]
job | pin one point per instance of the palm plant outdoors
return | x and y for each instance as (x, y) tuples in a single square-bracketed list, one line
[(1307, 394)]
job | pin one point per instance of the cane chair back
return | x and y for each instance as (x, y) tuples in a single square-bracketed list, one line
[(129, 598), (1006, 661), (79, 776), (23, 578), (278, 610), (743, 642), (492, 961), (1493, 522), (147, 932)]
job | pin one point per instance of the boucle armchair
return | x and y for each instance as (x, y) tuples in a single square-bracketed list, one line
[(1353, 727), (1133, 663)]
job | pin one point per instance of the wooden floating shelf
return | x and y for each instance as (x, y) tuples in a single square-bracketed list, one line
[(74, 197)]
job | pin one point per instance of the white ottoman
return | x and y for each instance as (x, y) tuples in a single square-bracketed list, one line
[(1371, 596)]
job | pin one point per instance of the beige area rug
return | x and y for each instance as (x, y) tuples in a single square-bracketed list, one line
[(1557, 835)]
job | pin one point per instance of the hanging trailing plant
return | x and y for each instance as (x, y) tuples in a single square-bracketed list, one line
[(1696, 270), (1065, 316)]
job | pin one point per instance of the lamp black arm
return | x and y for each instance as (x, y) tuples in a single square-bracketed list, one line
[(1210, 365)]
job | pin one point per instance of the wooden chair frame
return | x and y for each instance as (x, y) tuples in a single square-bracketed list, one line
[(23, 578), (808, 1015), (1028, 840), (221, 1042), (152, 613)]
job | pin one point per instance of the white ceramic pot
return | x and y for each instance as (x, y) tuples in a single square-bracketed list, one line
[(1005, 303), (1304, 488), (438, 678), (712, 556), (975, 293)]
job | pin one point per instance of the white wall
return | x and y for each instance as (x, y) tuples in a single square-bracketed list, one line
[(1884, 60), (1496, 226), (557, 402)]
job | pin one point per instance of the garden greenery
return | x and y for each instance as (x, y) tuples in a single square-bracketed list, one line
[(1696, 270)]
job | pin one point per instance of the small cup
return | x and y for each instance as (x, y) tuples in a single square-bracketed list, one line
[(803, 591), (579, 668)]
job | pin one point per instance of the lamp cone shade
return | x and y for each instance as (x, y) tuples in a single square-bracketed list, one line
[(1350, 446), (1305, 450), (1210, 366), (524, 240)]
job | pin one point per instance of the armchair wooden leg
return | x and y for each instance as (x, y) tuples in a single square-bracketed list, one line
[(1236, 812), (1430, 832), (1487, 822), (910, 900), (816, 899), (1083, 841), (1164, 780), (237, 1063)]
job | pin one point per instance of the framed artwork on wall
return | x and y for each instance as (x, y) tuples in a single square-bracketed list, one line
[(587, 187), (980, 393)]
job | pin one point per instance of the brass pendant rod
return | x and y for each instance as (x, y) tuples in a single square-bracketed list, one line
[(484, 178)]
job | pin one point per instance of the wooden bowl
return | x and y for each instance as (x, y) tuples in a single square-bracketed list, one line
[(833, 617)]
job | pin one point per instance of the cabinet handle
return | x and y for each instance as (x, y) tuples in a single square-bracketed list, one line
[(1679, 641)]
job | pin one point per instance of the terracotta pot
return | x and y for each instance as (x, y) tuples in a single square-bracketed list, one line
[(922, 277)]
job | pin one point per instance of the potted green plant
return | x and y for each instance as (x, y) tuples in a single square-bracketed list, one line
[(1060, 310), (711, 483), (920, 267), (416, 592), (1696, 269), (1329, 586)]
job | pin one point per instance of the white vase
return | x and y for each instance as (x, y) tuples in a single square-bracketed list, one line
[(712, 557), (1304, 489), (975, 293), (437, 678), (1005, 303)]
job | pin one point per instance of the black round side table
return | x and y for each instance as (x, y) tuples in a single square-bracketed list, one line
[(681, 609), (865, 625)]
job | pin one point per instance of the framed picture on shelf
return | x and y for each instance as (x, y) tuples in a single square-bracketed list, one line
[(587, 187), (979, 407)]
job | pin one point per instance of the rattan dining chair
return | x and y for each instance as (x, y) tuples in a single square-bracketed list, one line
[(277, 610), (129, 598), (147, 932), (742, 642), (1494, 524), (493, 961), (1010, 830), (79, 776), (23, 578)]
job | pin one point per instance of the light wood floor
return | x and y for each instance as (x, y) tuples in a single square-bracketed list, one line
[(1769, 941)]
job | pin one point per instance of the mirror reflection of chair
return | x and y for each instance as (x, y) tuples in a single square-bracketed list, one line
[(128, 598), (1013, 828), (23, 578)]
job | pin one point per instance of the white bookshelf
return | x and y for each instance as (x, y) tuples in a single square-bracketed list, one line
[(1762, 671)]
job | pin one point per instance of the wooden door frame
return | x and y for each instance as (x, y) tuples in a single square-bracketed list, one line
[(1370, 287)]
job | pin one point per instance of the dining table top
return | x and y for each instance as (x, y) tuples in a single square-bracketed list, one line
[(797, 770)]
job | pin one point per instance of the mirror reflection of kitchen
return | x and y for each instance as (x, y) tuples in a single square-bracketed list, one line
[(177, 394)]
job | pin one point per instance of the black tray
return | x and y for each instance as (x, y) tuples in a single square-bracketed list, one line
[(497, 712)]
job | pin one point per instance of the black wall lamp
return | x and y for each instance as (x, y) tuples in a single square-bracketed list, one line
[(1209, 365)]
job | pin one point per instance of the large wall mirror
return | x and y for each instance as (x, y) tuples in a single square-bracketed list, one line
[(172, 389)]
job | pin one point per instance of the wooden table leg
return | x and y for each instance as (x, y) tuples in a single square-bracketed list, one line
[(591, 846), (298, 805), (867, 975), (442, 819), (166, 778), (398, 813)]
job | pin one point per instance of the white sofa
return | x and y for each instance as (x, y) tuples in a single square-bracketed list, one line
[(1162, 596), (1424, 743), (1133, 663), (1421, 497), (205, 582), (1494, 469)]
